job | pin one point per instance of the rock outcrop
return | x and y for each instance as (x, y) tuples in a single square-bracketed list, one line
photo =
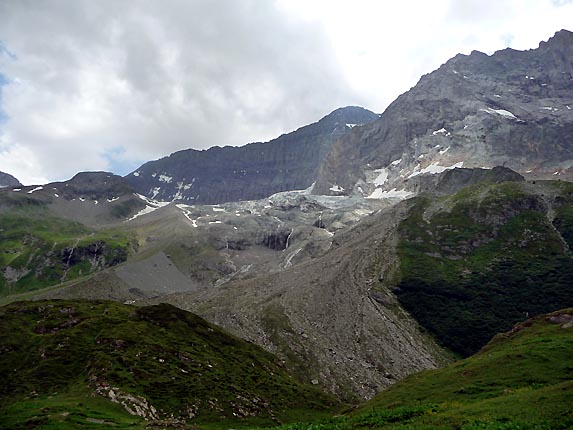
[(7, 180)]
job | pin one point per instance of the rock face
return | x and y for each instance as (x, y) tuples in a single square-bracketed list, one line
[(453, 180), (7, 180), (513, 108), (93, 186), (250, 172)]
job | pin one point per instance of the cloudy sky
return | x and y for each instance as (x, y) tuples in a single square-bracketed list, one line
[(110, 84)]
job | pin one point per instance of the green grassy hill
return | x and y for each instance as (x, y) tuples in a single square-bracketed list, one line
[(522, 380), (38, 250), (80, 364), (477, 262)]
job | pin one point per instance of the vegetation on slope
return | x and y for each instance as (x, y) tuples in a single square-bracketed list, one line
[(38, 250), (522, 380), (475, 263), (64, 363)]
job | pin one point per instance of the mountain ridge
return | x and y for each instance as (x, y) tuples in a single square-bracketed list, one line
[(513, 108), (250, 172)]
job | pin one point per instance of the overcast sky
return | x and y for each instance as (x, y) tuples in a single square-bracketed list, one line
[(110, 84)]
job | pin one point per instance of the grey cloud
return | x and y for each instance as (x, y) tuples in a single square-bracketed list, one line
[(145, 78)]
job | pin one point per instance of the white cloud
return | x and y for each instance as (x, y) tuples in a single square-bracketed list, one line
[(107, 84)]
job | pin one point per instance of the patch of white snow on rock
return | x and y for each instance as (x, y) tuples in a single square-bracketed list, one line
[(501, 112), (36, 189), (435, 168), (151, 206), (382, 176), (392, 194)]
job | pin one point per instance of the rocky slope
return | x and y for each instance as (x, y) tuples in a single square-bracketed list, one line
[(250, 172), (513, 108), (323, 316), (7, 180)]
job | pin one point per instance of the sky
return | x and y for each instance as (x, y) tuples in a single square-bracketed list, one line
[(111, 84)]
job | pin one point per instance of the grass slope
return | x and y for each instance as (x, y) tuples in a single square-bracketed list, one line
[(38, 250), (475, 263), (522, 380), (158, 361)]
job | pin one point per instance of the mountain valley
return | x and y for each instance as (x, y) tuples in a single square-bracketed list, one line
[(362, 260)]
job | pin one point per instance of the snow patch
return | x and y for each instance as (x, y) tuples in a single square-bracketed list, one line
[(36, 189), (336, 188), (217, 209), (155, 191), (435, 168), (392, 194), (215, 222), (549, 108), (151, 205), (56, 195), (440, 131), (187, 215), (396, 162), (443, 151), (82, 199), (381, 178), (165, 178), (17, 189), (352, 125), (501, 112), (136, 174), (113, 199)]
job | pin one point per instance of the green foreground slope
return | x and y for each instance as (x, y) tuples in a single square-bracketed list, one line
[(79, 364), (522, 380)]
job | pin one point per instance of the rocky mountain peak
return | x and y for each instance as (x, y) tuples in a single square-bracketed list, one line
[(512, 108), (250, 172), (563, 39), (7, 180), (93, 185)]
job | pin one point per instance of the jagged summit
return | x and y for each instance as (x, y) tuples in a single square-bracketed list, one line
[(512, 108)]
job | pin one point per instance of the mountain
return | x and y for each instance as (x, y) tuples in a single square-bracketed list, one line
[(75, 364), (62, 231), (7, 180), (352, 291), (513, 108), (251, 172), (465, 266)]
